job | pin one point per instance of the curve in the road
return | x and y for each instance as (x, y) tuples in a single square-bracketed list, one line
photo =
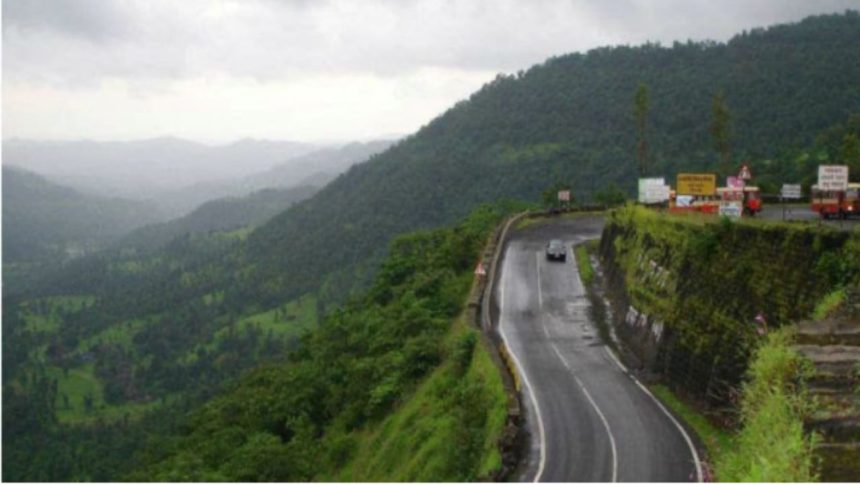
[(592, 421)]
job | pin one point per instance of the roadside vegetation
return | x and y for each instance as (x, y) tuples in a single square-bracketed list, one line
[(586, 270), (771, 445), (393, 386)]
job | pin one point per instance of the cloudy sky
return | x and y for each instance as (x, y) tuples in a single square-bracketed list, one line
[(309, 70)]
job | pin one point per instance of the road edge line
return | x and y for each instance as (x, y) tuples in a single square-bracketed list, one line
[(605, 425), (525, 378), (666, 412)]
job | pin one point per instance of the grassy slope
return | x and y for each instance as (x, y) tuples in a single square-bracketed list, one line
[(418, 440)]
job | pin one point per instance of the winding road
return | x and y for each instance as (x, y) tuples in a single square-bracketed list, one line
[(588, 419)]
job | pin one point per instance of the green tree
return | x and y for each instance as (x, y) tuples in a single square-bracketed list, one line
[(849, 154), (610, 195), (641, 105), (721, 131)]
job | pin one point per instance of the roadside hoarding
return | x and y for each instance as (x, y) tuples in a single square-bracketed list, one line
[(653, 190), (701, 184), (731, 210), (564, 195), (790, 191), (832, 177)]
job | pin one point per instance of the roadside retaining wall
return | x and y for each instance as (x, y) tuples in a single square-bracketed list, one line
[(691, 298)]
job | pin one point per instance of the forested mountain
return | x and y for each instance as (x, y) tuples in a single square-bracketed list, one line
[(223, 214), (316, 168), (177, 175), (44, 222), (569, 120)]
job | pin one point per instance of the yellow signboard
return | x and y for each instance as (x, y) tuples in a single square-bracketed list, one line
[(702, 184)]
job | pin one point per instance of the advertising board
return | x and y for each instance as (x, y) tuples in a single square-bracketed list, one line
[(701, 184), (653, 190), (832, 177), (790, 191)]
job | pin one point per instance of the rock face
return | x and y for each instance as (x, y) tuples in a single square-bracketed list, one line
[(833, 346)]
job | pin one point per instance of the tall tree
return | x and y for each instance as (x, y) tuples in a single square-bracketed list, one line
[(721, 131), (641, 104)]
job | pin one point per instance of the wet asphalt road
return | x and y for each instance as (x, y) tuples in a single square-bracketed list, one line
[(592, 421)]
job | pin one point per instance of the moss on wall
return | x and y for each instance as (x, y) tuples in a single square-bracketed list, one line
[(707, 281)]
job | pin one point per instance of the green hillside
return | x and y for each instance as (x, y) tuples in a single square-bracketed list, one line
[(45, 223), (309, 418), (219, 215), (569, 119)]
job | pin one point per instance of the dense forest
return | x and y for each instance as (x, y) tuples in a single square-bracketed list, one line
[(104, 359), (220, 215)]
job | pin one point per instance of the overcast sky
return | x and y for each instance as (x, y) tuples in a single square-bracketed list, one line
[(309, 70)]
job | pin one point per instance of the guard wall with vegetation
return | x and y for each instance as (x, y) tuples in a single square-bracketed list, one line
[(694, 295)]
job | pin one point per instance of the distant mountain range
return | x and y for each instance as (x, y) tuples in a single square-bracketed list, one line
[(43, 221), (222, 214), (178, 175), (316, 168), (46, 223)]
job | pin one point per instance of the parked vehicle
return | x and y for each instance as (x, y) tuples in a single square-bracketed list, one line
[(836, 203), (752, 200)]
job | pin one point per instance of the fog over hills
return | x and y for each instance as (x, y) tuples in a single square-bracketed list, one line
[(316, 168), (178, 175), (45, 221), (139, 168)]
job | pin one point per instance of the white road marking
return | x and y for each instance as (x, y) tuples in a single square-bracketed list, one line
[(665, 412), (540, 293), (542, 462), (555, 348), (578, 381), (599, 414)]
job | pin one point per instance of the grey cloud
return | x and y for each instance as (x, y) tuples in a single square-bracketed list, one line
[(287, 39), (94, 20)]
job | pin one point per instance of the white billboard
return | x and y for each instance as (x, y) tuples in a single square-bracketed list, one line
[(790, 191), (832, 177), (653, 190)]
